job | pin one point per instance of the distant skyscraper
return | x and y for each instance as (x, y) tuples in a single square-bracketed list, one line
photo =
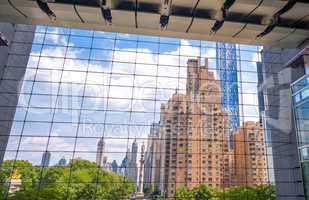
[(227, 72), (115, 166), (152, 159), (132, 168), (125, 164), (62, 162), (100, 153), (45, 159)]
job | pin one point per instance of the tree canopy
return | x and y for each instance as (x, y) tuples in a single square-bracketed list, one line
[(203, 192), (78, 180)]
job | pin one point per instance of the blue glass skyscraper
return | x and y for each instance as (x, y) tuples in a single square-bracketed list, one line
[(227, 71)]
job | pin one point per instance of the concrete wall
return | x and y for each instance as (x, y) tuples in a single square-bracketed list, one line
[(276, 86), (13, 62)]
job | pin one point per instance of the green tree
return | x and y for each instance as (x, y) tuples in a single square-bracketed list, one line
[(184, 194), (79, 180), (203, 192), (265, 192)]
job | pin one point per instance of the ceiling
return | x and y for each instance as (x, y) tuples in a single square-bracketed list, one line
[(194, 19)]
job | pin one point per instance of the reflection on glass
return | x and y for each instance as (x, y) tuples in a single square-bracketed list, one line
[(102, 114)]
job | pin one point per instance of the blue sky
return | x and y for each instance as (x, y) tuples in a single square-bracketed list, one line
[(109, 85)]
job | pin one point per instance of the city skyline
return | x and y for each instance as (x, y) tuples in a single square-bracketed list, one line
[(138, 105), (88, 102)]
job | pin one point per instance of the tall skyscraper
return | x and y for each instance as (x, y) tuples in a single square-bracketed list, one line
[(125, 164), (45, 159), (195, 132), (132, 168), (62, 162), (227, 72), (114, 166), (13, 62), (152, 159), (100, 153), (250, 158)]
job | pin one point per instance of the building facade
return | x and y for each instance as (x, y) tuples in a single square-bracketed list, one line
[(227, 72), (279, 71), (250, 158), (195, 132), (300, 89), (13, 62)]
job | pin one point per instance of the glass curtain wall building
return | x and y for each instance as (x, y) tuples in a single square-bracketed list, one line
[(228, 73), (300, 93), (91, 101)]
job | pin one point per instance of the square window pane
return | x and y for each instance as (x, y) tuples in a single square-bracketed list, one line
[(96, 91), (117, 118), (39, 114), (147, 58), (98, 54), (76, 64), (123, 68), (42, 101), (77, 41), (123, 56), (45, 88), (73, 77), (51, 63), (100, 66), (61, 144), (97, 78), (56, 39), (92, 116), (125, 45), (64, 129), (48, 75), (91, 130), (33, 143), (13, 143), (120, 92), (80, 53), (36, 129), (122, 80), (71, 89), (94, 103), (148, 47), (69, 102), (58, 51), (66, 115), (100, 43)]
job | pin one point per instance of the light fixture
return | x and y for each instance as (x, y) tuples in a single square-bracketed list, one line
[(276, 18), (106, 11), (220, 18), (45, 8), (165, 11)]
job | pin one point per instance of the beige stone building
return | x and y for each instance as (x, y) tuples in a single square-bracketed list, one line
[(250, 158), (194, 135)]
